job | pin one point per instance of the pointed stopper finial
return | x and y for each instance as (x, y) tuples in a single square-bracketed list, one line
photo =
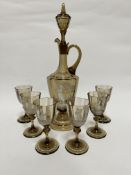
[(63, 20), (63, 10)]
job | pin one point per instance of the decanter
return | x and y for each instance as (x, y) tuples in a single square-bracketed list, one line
[(63, 82)]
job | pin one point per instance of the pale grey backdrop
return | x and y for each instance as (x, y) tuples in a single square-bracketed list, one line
[(102, 28)]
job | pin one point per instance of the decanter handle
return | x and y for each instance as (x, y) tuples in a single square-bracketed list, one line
[(73, 68)]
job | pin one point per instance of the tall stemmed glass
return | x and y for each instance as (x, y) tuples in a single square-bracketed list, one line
[(97, 107), (30, 109), (103, 90), (45, 114), (21, 89), (79, 109)]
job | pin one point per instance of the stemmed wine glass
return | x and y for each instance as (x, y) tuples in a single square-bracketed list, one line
[(97, 107), (103, 90), (30, 109), (79, 109), (20, 89), (45, 112)]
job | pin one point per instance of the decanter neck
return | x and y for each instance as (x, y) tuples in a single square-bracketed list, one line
[(63, 68)]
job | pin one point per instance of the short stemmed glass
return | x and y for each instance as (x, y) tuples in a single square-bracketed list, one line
[(30, 109), (79, 109), (45, 114), (97, 107), (103, 90), (20, 89)]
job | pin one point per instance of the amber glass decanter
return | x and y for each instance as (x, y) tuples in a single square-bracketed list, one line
[(63, 82)]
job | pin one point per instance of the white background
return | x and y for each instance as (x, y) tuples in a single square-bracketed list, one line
[(102, 28)]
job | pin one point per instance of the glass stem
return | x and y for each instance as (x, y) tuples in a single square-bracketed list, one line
[(77, 137), (96, 125), (77, 130), (47, 138), (46, 131), (32, 124)]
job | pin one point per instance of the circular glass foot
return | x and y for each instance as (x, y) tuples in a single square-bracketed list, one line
[(102, 119), (24, 119), (32, 132), (96, 133), (43, 147), (76, 148)]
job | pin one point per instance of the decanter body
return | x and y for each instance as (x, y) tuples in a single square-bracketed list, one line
[(63, 82)]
